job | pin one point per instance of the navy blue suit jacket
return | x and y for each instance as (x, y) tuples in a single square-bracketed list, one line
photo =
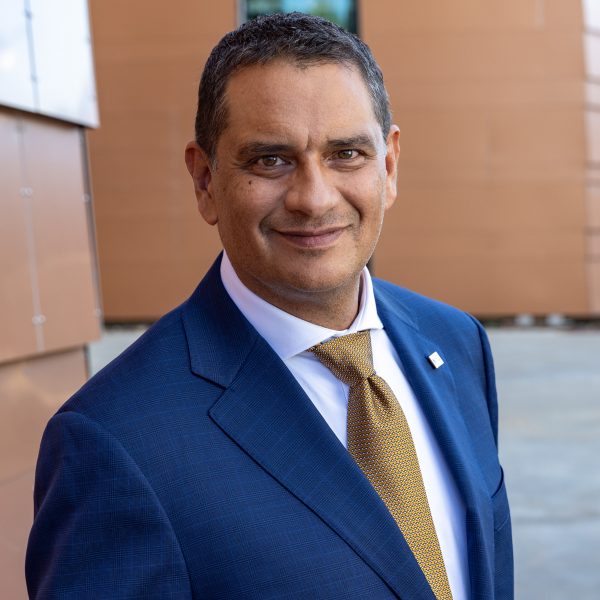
[(194, 466)]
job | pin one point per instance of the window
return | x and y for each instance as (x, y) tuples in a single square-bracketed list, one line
[(342, 12)]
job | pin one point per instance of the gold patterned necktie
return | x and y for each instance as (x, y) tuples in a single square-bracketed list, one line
[(380, 442)]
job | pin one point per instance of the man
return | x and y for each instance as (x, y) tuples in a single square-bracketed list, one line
[(295, 429)]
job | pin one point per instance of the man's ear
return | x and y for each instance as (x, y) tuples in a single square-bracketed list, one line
[(391, 165), (200, 168)]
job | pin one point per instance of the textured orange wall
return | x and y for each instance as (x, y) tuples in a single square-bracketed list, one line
[(153, 247), (31, 391), (489, 98)]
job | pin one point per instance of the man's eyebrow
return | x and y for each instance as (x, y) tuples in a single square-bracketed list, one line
[(253, 149), (354, 141)]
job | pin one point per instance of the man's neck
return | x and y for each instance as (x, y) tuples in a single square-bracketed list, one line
[(333, 309)]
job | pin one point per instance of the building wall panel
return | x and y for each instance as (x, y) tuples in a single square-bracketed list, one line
[(30, 393), (591, 41), (64, 67), (593, 267), (454, 56), (16, 83), (430, 15), (591, 12), (63, 252), (489, 98), (49, 297), (592, 54), (593, 206), (153, 246), (46, 63), (18, 335), (493, 292)]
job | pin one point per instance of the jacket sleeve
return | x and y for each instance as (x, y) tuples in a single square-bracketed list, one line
[(490, 378), (503, 552), (99, 530)]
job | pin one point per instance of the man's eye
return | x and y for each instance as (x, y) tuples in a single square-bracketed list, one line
[(270, 161), (347, 154)]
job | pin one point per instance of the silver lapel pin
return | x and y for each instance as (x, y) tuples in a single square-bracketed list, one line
[(436, 360)]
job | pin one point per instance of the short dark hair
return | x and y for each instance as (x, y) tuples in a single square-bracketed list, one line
[(302, 39)]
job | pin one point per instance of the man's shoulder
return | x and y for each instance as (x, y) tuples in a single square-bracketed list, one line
[(155, 361), (168, 369)]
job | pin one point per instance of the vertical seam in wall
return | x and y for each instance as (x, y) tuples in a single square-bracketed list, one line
[(27, 200), (31, 47), (593, 300), (91, 221), (488, 146), (91, 228)]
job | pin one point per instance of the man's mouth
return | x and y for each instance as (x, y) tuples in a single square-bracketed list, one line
[(311, 238)]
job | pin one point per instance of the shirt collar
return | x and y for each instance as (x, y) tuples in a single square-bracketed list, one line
[(286, 334)]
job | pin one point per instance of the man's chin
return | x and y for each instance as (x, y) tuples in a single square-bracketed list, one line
[(323, 281)]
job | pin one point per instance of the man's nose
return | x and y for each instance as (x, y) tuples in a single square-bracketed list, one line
[(312, 191)]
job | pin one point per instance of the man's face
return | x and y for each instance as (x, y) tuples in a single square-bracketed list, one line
[(301, 180)]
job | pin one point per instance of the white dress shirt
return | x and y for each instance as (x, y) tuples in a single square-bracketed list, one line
[(290, 337)]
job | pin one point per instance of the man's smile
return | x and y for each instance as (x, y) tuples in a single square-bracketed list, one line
[(312, 238)]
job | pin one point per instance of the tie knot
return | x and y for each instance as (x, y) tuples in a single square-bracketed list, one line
[(348, 357)]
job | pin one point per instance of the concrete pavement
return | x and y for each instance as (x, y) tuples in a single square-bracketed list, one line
[(549, 390)]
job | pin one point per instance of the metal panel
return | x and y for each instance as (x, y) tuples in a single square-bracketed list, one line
[(30, 392), (592, 55), (593, 137), (16, 85), (63, 58), (591, 14), (54, 162), (17, 333), (593, 270)]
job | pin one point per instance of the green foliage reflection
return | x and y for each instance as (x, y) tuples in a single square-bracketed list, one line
[(342, 12)]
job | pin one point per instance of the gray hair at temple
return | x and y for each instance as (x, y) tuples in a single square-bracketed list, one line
[(302, 39)]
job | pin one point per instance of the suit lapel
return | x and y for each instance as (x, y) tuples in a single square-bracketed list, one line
[(264, 410), (436, 392)]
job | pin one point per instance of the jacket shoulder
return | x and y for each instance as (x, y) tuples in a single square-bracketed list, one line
[(134, 377), (426, 314)]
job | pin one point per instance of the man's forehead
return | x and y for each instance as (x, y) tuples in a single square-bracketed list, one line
[(299, 65), (271, 81), (273, 92)]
